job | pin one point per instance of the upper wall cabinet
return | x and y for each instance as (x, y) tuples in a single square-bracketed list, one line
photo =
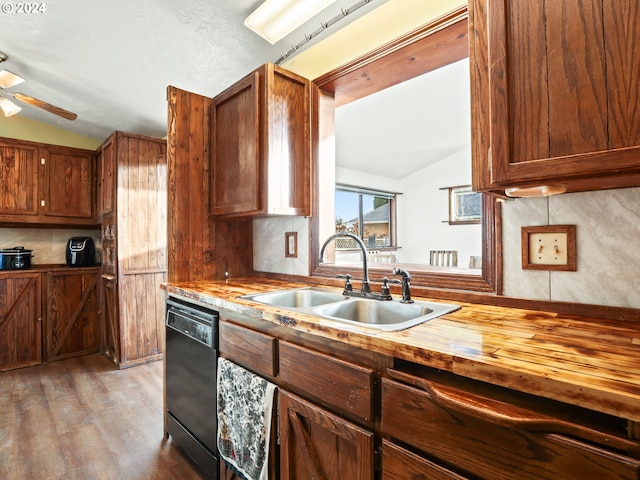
[(261, 145), (46, 184), (555, 93)]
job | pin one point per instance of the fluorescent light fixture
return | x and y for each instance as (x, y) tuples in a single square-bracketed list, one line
[(275, 19), (8, 107)]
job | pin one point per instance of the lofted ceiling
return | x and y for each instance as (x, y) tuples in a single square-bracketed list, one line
[(111, 62)]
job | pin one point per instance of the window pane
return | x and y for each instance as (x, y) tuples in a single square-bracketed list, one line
[(375, 221), (372, 224)]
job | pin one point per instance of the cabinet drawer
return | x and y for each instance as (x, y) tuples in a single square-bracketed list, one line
[(401, 464), (344, 387), (253, 350), (493, 439)]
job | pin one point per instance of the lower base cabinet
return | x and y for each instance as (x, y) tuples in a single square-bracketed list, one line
[(71, 314), (20, 320), (344, 416), (483, 432), (314, 443)]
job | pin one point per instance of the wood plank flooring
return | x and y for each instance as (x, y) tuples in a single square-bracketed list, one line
[(82, 419)]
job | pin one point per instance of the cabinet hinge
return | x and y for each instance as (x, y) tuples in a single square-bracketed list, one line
[(42, 161)]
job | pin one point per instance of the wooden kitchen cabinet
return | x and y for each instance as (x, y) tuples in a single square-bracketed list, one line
[(20, 320), (261, 145), (69, 183), (554, 93), (318, 444), (71, 313), (325, 404), (317, 440), (134, 246), (469, 429), (18, 179), (46, 184), (107, 176)]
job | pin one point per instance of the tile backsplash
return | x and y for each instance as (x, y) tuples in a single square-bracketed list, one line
[(48, 245), (607, 239)]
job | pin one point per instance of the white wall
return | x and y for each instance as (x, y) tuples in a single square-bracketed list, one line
[(425, 210)]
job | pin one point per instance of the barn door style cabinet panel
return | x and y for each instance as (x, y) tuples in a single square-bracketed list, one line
[(71, 313), (555, 93), (134, 239), (46, 184), (20, 320), (261, 145)]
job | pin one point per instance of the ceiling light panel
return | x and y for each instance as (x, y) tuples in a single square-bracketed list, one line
[(275, 19)]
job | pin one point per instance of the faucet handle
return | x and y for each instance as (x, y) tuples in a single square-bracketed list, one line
[(348, 286), (384, 291)]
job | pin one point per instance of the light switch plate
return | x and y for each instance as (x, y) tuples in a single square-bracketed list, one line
[(291, 244), (549, 247)]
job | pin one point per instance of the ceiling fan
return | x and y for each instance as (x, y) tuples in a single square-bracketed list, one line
[(9, 79)]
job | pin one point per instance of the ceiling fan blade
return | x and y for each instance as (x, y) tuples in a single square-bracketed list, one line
[(9, 79), (45, 106)]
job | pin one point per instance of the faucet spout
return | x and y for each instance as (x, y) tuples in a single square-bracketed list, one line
[(366, 287)]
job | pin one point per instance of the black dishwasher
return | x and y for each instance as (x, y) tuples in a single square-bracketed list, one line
[(191, 365)]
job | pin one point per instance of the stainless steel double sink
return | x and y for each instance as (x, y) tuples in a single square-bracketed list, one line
[(382, 315)]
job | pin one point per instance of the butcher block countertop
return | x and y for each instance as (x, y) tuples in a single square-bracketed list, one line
[(589, 362)]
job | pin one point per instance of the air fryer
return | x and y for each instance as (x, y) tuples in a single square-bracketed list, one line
[(81, 252)]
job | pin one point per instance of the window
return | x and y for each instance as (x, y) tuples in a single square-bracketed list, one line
[(366, 213)]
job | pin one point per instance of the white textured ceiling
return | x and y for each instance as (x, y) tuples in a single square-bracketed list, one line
[(111, 61)]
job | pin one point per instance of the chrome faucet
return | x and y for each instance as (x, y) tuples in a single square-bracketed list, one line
[(366, 287), (365, 291)]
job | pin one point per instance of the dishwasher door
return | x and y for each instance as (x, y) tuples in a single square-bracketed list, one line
[(191, 364)]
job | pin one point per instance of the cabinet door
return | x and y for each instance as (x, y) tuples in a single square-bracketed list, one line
[(108, 176), (111, 318), (20, 320), (69, 183), (316, 444), (554, 88), (18, 179), (261, 152), (71, 321), (236, 173), (286, 184)]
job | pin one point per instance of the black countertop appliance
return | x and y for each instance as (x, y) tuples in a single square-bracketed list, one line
[(81, 252), (16, 258)]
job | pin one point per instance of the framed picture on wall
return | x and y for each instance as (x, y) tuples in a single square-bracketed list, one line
[(465, 205)]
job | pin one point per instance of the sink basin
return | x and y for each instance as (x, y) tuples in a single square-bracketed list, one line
[(297, 298), (377, 314), (389, 316)]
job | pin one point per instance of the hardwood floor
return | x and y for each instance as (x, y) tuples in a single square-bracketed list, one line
[(82, 419)]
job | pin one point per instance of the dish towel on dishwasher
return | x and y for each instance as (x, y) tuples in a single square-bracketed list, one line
[(245, 403)]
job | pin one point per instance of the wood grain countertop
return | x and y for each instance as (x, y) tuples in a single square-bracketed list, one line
[(593, 363)]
